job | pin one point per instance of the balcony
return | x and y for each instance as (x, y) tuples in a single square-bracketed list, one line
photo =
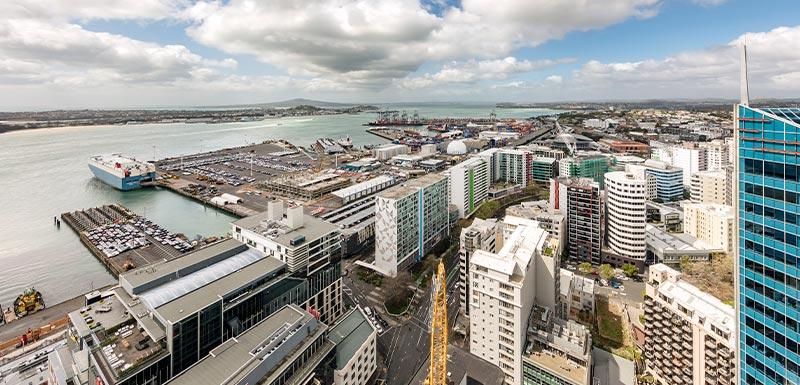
[(710, 354)]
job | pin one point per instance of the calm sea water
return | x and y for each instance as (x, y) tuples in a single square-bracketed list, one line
[(43, 173)]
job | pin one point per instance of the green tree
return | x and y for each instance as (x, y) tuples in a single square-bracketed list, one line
[(684, 263), (585, 268), (630, 270), (606, 271)]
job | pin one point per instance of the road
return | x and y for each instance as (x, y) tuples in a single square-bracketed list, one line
[(405, 346)]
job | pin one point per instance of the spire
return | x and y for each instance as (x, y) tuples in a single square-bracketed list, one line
[(744, 93)]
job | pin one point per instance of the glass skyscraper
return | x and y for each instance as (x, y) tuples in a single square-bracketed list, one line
[(768, 303)]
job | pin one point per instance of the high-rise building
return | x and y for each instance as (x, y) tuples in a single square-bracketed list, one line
[(549, 219), (543, 169), (504, 288), (410, 219), (665, 182), (480, 235), (514, 166), (591, 166), (626, 217), (718, 153), (691, 160), (689, 334), (767, 207), (580, 201), (469, 185), (709, 187), (558, 352)]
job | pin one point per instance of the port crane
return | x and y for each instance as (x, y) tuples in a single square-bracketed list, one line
[(437, 373)]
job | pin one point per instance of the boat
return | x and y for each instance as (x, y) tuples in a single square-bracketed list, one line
[(345, 142), (120, 172), (29, 302)]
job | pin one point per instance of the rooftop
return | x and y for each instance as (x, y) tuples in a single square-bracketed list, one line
[(348, 335), (461, 363), (277, 231), (720, 210), (411, 186), (662, 240), (159, 273), (366, 185), (256, 350)]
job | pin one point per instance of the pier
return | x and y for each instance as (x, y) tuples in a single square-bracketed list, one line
[(122, 240)]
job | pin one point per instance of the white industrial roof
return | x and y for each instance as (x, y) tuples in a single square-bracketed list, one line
[(366, 185), (174, 289)]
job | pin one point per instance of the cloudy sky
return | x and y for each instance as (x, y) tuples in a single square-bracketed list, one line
[(110, 53)]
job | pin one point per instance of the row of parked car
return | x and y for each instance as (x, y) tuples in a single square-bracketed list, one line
[(377, 321)]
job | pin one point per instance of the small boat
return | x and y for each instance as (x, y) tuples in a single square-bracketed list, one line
[(29, 302), (345, 142)]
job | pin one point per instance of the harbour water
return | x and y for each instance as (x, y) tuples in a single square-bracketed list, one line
[(44, 173)]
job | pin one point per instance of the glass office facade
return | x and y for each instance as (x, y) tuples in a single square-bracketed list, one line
[(769, 248)]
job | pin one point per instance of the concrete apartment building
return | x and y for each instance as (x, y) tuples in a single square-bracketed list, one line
[(689, 334), (514, 166), (709, 187), (712, 223), (480, 235), (577, 295), (626, 218), (410, 219), (550, 220), (665, 182), (557, 352), (504, 287), (691, 160), (581, 203), (718, 153), (288, 234), (469, 185)]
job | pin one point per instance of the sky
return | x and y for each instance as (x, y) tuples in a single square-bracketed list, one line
[(168, 53)]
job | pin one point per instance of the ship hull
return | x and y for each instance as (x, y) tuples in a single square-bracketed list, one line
[(123, 184)]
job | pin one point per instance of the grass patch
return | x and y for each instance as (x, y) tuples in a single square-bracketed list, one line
[(369, 276), (610, 332)]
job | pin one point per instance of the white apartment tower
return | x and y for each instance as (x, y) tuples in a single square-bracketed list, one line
[(709, 187), (480, 235), (504, 289), (626, 198), (689, 334), (469, 185), (712, 223)]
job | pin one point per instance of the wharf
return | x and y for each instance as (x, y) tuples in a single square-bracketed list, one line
[(137, 242), (385, 133)]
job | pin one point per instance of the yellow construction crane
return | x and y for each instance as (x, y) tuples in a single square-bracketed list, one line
[(437, 374)]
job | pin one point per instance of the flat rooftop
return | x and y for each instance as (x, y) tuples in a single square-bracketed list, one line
[(663, 241), (348, 335), (156, 274), (236, 358), (413, 185), (196, 299), (312, 228)]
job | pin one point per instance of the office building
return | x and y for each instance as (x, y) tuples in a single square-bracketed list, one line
[(768, 203), (171, 314), (356, 357), (503, 290), (410, 219), (577, 296), (712, 223), (285, 348), (689, 334), (669, 247), (557, 352), (626, 218), (709, 187), (545, 152), (580, 201), (303, 242), (480, 235), (666, 180), (356, 223), (543, 169), (469, 185)]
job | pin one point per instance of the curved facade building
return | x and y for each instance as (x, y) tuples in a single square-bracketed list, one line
[(626, 196)]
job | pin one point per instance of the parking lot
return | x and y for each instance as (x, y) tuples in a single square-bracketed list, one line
[(234, 171)]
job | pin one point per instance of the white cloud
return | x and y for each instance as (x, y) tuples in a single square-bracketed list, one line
[(92, 9), (709, 3), (372, 43), (773, 59), (473, 71)]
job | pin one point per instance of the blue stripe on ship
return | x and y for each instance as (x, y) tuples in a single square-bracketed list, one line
[(124, 184)]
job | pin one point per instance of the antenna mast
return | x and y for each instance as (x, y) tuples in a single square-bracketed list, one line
[(744, 92)]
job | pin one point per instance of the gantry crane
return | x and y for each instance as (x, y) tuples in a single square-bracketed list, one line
[(437, 374)]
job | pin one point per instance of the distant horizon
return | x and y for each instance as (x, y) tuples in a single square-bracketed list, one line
[(180, 54)]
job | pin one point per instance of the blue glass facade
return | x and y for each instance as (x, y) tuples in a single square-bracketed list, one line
[(768, 216), (669, 183)]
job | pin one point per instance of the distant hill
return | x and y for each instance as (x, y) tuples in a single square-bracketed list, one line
[(296, 102)]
